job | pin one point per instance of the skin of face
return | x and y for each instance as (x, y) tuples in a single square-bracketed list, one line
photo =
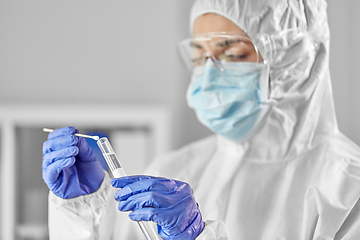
[(212, 22)]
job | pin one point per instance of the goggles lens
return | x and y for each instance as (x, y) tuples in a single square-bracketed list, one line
[(224, 47)]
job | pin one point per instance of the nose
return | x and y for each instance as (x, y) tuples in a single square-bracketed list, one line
[(217, 63)]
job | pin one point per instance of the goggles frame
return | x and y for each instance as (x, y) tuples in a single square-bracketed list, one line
[(262, 45), (269, 47)]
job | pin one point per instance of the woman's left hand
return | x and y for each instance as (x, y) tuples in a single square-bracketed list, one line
[(167, 202)]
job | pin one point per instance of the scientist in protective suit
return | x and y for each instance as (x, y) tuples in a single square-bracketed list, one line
[(277, 166)]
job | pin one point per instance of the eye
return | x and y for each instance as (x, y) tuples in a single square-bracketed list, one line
[(235, 58), (238, 50), (196, 45), (235, 54)]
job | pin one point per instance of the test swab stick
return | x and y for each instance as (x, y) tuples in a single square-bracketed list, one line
[(76, 134)]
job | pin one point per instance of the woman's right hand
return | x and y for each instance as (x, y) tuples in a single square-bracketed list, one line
[(70, 168)]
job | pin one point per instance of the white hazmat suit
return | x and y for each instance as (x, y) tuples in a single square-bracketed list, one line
[(298, 177)]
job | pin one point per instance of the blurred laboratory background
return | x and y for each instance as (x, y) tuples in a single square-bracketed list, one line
[(111, 68)]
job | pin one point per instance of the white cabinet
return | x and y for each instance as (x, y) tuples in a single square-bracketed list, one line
[(137, 133)]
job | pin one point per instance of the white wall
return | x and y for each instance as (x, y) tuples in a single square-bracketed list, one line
[(104, 52), (344, 21), (124, 52), (94, 51)]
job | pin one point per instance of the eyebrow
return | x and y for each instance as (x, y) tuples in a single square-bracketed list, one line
[(228, 42), (220, 44)]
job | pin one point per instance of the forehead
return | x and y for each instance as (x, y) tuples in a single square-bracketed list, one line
[(212, 22)]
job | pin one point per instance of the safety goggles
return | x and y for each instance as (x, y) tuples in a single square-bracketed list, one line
[(219, 47), (223, 47)]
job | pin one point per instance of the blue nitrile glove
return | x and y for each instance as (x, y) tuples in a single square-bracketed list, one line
[(167, 202), (69, 168)]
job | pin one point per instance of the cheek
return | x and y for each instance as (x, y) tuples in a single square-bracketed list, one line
[(255, 58)]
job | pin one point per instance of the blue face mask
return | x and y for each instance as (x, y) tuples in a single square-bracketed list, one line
[(230, 103)]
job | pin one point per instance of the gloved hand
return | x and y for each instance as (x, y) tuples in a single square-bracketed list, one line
[(167, 202), (69, 168)]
